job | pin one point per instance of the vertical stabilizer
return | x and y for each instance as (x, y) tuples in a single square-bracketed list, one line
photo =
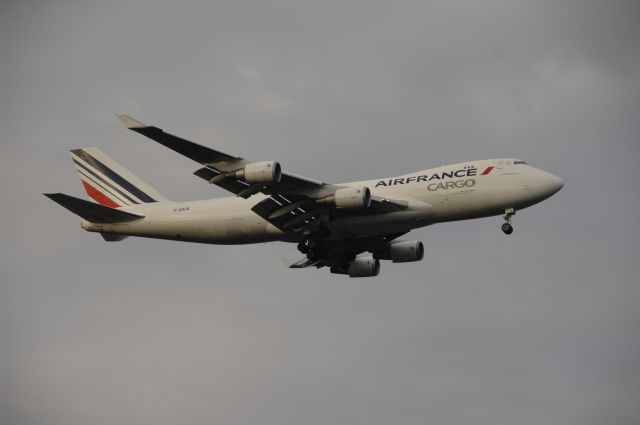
[(109, 183)]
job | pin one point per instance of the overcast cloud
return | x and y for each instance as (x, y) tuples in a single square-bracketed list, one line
[(537, 328)]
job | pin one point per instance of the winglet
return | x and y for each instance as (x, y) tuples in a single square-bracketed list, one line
[(129, 122)]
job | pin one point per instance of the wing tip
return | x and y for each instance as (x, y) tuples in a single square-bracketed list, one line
[(130, 122)]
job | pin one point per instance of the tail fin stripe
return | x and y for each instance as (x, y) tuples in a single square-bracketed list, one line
[(98, 196), (114, 191), (100, 187), (125, 184)]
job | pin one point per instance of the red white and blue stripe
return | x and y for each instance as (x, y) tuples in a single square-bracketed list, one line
[(108, 183)]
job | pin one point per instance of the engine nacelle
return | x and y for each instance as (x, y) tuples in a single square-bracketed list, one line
[(364, 267), (402, 252), (260, 172), (349, 197)]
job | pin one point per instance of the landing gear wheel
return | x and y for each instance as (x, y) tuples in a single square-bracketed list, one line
[(307, 245), (507, 228), (313, 246)]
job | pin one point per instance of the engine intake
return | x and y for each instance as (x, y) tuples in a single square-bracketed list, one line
[(402, 252), (260, 172), (350, 197)]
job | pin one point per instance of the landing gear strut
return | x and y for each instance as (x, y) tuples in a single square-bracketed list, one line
[(304, 246), (313, 248), (313, 245), (507, 228)]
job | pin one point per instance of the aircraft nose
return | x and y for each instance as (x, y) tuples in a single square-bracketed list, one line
[(550, 183), (555, 183)]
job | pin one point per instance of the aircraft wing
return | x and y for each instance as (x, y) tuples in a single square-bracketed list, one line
[(290, 212), (289, 183), (291, 204), (217, 162), (338, 250)]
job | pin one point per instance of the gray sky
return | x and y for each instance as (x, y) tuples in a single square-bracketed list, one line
[(538, 327)]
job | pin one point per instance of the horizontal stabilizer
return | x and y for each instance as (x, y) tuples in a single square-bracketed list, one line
[(90, 211)]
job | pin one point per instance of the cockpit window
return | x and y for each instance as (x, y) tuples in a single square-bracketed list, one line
[(518, 162)]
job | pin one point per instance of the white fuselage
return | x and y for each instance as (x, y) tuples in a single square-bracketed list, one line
[(451, 192)]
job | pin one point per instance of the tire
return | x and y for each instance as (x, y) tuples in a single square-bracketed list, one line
[(507, 228)]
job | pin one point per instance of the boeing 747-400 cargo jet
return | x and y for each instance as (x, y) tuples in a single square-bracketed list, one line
[(333, 224)]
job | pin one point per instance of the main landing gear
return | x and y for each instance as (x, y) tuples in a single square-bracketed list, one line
[(313, 246), (306, 245), (507, 228)]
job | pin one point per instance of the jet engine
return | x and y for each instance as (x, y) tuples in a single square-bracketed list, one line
[(260, 172), (350, 197), (364, 267), (402, 252)]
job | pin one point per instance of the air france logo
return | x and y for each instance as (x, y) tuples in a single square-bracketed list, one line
[(466, 171)]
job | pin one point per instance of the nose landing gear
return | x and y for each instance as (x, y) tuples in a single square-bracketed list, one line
[(507, 228)]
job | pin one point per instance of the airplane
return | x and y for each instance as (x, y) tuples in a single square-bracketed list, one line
[(346, 227)]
